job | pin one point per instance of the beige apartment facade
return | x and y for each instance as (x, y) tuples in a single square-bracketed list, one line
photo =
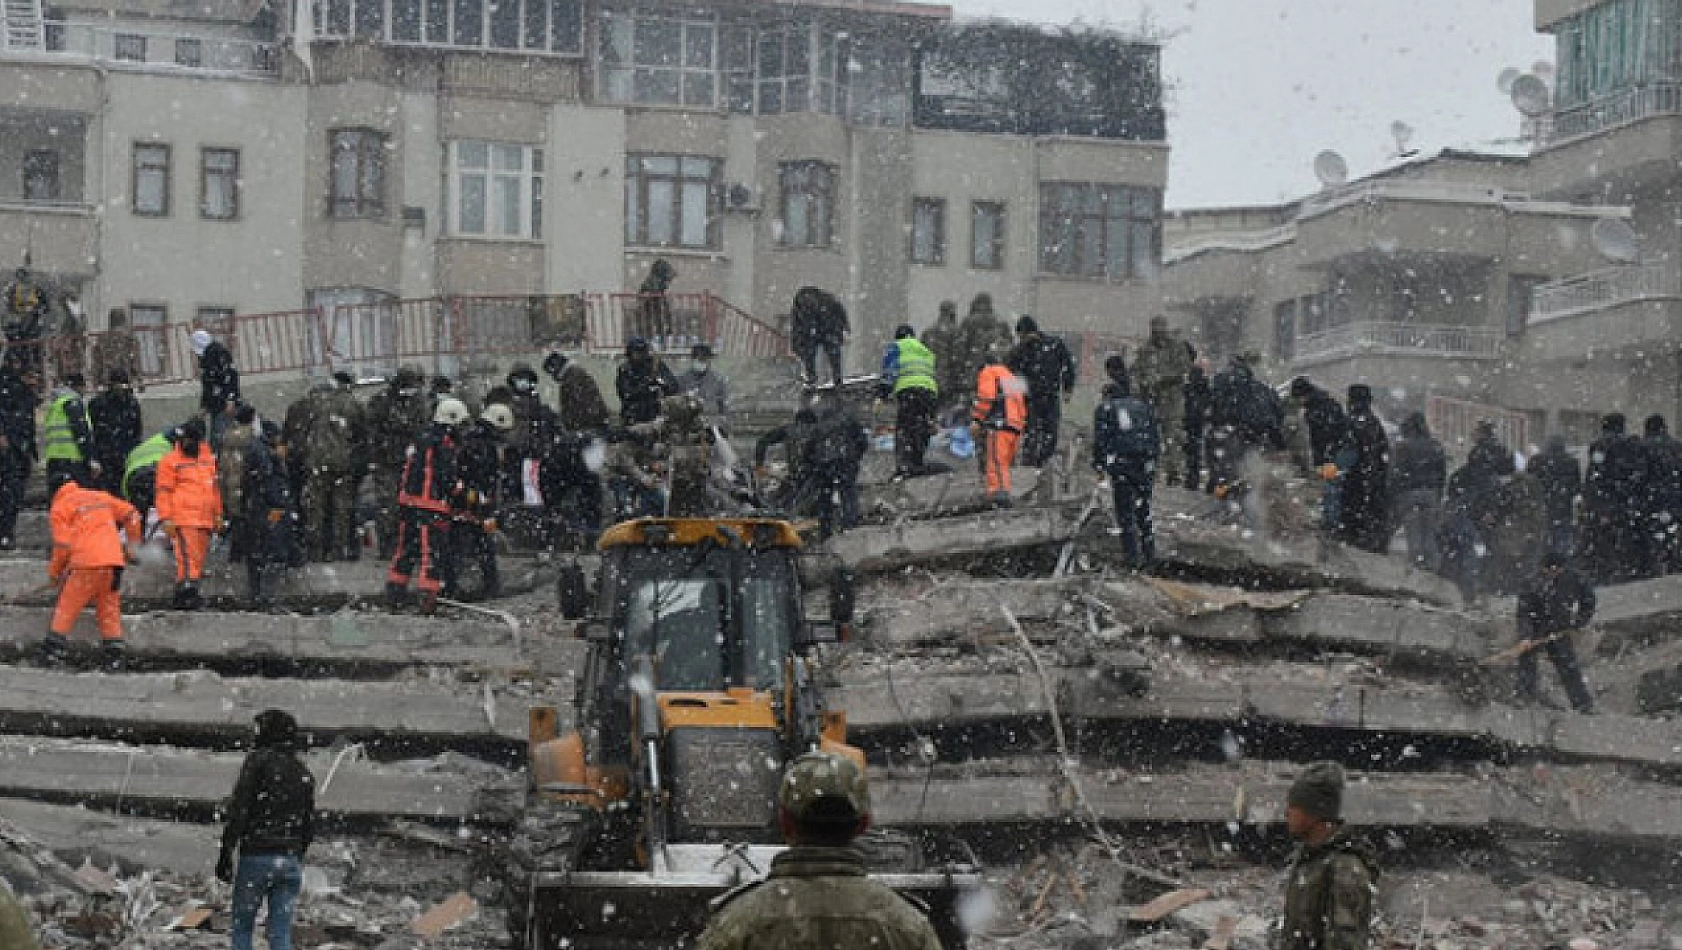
[(1419, 281), (370, 151)]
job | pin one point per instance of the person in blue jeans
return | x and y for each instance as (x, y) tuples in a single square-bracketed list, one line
[(271, 821)]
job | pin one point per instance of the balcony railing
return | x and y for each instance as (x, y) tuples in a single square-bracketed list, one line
[(155, 50), (1621, 108), (1398, 339), (1603, 289)]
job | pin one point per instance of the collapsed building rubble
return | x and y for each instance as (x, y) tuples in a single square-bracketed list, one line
[(1183, 702)]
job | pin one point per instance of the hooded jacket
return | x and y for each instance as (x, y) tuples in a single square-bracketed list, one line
[(273, 806)]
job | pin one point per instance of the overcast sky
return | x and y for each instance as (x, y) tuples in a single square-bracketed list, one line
[(1258, 87)]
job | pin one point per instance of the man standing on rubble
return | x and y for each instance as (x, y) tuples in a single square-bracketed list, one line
[(908, 374), (427, 496), (641, 382), (999, 417), (271, 821), (1160, 368), (189, 509), (397, 415), (944, 342), (1044, 363), (1555, 603), (1365, 521), (67, 435), (1331, 451), (818, 895), (1333, 877), (219, 392), (17, 446), (1126, 443), (115, 422)]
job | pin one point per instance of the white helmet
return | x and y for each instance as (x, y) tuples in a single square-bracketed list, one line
[(451, 412), (498, 416)]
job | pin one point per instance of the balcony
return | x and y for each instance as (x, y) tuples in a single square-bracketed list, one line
[(60, 237), (1604, 289), (1398, 339), (1624, 108)]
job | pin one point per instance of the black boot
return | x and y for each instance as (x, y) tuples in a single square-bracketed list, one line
[(396, 595), (113, 656), (53, 651)]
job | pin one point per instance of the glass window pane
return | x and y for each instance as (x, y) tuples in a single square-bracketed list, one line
[(771, 97), (471, 154), (338, 17), (659, 43), (799, 53), (344, 169), (508, 157), (698, 89), (566, 25), (1144, 248), (616, 84), (471, 214), (505, 24), (437, 21), (406, 21), (660, 164), (738, 49), (662, 212), (656, 87), (694, 224), (508, 205), (770, 55), (797, 220), (536, 35), (633, 211), (796, 95), (536, 208), (698, 46), (470, 22), (697, 167), (616, 41), (370, 18), (738, 93)]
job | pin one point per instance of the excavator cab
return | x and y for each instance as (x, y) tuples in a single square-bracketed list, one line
[(695, 693)]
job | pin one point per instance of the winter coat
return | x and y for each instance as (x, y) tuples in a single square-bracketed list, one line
[(85, 525), (187, 489), (1550, 605), (17, 419), (1617, 475), (817, 899), (1664, 474), (1125, 437), (1046, 366), (1160, 368), (641, 386), (1248, 406), (265, 489), (944, 342), (115, 419), (1328, 427), (1001, 400), (230, 468), (394, 422), (431, 473), (273, 805), (1560, 476), (1197, 401), (1329, 893), (484, 470), (1418, 464), (817, 317), (978, 333), (335, 431), (218, 378), (711, 387)]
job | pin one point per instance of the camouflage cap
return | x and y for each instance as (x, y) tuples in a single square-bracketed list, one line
[(820, 787)]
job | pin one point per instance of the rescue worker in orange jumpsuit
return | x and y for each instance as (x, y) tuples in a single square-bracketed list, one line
[(189, 509), (426, 497), (87, 565), (999, 418)]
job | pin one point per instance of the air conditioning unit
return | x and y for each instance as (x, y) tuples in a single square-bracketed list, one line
[(741, 199)]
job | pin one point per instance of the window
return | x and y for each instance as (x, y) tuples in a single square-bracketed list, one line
[(659, 61), (1099, 231), (987, 235), (1611, 47), (151, 180), (928, 231), (785, 70), (1285, 330), (672, 201), (530, 25), (130, 47), (219, 183), (40, 175), (808, 212), (496, 190), (189, 52), (357, 187), (150, 323)]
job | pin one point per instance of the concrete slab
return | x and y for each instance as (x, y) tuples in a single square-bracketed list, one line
[(134, 844), (875, 548), (348, 638), (202, 704), (69, 771)]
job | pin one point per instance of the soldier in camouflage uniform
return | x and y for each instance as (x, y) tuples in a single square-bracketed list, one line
[(1160, 370), (396, 416), (335, 434), (817, 896), (1332, 879)]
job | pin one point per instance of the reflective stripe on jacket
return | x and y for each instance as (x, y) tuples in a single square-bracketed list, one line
[(60, 429), (85, 523), (910, 365)]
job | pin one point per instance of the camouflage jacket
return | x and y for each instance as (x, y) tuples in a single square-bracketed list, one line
[(1329, 894), (818, 899)]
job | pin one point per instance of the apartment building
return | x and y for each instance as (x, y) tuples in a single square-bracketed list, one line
[(1612, 330), (193, 161), (1420, 280)]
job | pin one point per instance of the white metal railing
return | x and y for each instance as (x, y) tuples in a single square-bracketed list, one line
[(1259, 240), (1622, 108), (157, 50), (1602, 289), (1399, 339), (1408, 189)]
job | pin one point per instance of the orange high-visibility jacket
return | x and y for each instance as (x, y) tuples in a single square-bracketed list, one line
[(85, 524), (1001, 399), (187, 490)]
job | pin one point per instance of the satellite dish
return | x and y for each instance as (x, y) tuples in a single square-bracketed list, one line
[(1530, 95), (1331, 169), (1504, 82), (1403, 134), (1615, 240)]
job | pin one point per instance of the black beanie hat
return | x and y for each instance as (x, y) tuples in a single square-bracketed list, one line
[(276, 729), (1319, 791), (1027, 324)]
